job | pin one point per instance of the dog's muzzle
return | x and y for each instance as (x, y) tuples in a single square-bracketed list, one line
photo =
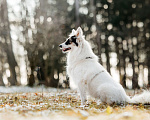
[(64, 49)]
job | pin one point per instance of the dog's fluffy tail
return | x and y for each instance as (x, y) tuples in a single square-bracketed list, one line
[(143, 98)]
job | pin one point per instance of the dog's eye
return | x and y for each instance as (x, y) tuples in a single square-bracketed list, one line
[(68, 42), (73, 37)]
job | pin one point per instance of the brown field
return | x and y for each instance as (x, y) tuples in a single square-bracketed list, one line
[(65, 105)]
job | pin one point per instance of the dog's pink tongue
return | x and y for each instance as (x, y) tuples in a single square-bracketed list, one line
[(64, 49)]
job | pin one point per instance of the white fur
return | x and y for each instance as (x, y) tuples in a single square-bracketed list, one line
[(90, 76)]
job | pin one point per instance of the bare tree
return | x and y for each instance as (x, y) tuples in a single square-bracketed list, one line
[(8, 42), (77, 13), (98, 39)]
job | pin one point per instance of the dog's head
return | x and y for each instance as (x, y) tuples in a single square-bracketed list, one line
[(73, 42)]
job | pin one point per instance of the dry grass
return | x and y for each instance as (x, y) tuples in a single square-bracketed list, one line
[(65, 105)]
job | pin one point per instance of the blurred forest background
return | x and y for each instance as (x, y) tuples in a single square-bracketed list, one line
[(31, 30)]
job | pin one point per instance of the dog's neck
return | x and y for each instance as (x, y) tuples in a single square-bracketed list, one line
[(82, 53)]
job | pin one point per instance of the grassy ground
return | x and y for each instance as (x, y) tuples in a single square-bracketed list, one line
[(65, 105)]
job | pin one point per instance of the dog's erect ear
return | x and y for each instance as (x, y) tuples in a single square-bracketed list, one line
[(79, 32), (73, 31)]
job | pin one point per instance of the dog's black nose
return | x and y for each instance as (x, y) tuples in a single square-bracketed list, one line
[(60, 46)]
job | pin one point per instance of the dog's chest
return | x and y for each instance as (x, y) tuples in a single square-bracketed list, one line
[(77, 77), (70, 71)]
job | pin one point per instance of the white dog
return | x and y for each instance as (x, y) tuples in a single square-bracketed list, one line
[(90, 76)]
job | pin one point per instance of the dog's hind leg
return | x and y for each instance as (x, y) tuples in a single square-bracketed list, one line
[(82, 91)]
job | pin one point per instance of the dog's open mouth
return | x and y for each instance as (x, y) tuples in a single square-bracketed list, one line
[(66, 49)]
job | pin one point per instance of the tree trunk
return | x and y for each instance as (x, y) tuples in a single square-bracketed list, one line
[(148, 76), (107, 56), (1, 79), (135, 76), (12, 65), (1, 71), (147, 43), (77, 13), (123, 81), (31, 77), (98, 39), (107, 49), (9, 51), (148, 64)]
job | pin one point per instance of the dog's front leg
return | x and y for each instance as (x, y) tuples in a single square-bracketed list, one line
[(82, 90)]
